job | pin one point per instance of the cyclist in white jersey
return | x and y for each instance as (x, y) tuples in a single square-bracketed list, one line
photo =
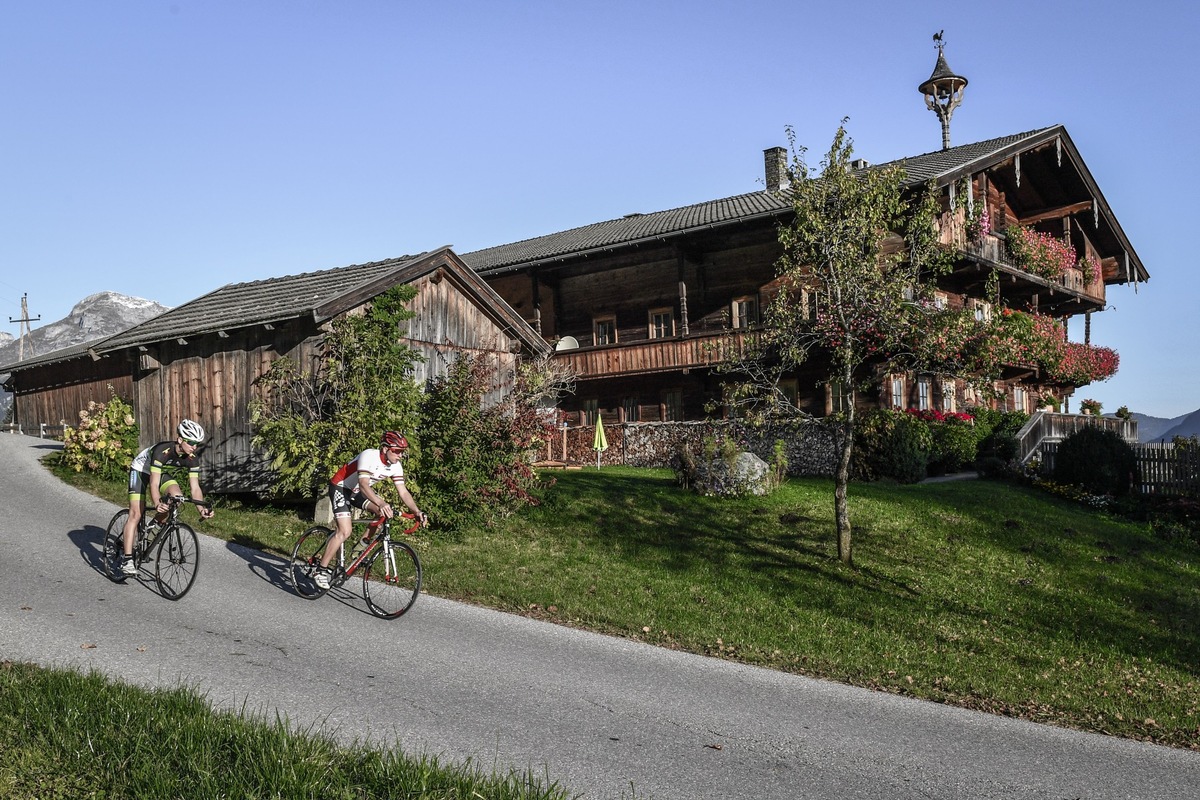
[(351, 488)]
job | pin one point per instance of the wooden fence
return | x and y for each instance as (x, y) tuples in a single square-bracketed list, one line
[(1162, 468)]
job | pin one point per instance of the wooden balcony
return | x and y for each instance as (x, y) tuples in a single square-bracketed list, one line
[(1048, 426), (1066, 295), (674, 354)]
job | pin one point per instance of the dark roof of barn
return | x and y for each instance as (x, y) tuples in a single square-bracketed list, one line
[(318, 295), (273, 300), (941, 166), (52, 357)]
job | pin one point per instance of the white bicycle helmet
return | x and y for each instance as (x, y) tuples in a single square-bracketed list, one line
[(191, 431)]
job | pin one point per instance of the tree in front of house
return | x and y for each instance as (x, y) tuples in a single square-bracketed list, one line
[(857, 259)]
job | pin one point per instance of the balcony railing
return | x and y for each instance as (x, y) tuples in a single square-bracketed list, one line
[(652, 355), (991, 249), (1047, 426)]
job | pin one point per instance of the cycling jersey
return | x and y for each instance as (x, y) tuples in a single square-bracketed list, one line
[(162, 456), (370, 463)]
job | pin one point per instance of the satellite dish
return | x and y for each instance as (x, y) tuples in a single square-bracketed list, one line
[(567, 343)]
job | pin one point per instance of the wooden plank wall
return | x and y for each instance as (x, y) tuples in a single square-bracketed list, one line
[(447, 323), (54, 394), (212, 380)]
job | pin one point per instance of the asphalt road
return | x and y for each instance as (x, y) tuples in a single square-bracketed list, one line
[(602, 716)]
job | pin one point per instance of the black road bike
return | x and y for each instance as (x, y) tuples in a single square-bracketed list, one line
[(172, 548)]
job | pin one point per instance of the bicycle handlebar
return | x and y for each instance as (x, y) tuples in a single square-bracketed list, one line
[(178, 498), (374, 524)]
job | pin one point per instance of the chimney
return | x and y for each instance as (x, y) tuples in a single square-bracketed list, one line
[(859, 164), (775, 160)]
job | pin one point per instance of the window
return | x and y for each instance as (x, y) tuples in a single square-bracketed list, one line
[(897, 391), (604, 330), (591, 410), (630, 406), (941, 301), (1018, 399), (672, 400), (982, 310), (924, 401), (745, 312), (948, 396), (840, 398), (808, 305), (662, 323)]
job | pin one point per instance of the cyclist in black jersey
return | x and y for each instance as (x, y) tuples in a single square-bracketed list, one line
[(146, 479)]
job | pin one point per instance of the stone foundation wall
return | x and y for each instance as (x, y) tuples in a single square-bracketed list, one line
[(810, 445)]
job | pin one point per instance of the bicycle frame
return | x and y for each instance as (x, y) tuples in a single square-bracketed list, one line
[(381, 536)]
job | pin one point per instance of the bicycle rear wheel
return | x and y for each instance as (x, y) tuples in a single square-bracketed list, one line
[(392, 581), (176, 560), (114, 547), (306, 558)]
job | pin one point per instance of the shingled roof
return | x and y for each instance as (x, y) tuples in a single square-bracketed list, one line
[(273, 300), (941, 166), (319, 295)]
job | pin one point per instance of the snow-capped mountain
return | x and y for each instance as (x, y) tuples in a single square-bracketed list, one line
[(97, 316)]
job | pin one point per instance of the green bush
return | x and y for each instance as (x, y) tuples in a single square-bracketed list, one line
[(1098, 460), (105, 441), (891, 444), (475, 461), (997, 432), (955, 445), (312, 422)]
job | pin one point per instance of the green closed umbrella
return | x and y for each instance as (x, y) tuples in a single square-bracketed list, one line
[(600, 443)]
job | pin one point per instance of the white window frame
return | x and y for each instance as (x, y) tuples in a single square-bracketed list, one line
[(982, 310), (924, 394), (948, 398), (896, 392)]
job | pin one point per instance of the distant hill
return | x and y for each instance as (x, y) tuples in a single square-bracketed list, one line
[(1160, 429), (1190, 426), (97, 316)]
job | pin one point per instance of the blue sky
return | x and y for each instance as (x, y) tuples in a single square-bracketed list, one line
[(164, 149)]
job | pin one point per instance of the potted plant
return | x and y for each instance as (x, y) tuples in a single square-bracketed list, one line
[(1124, 413), (1050, 403), (1090, 406)]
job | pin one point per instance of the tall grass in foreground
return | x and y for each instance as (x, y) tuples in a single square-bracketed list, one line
[(64, 735), (974, 593)]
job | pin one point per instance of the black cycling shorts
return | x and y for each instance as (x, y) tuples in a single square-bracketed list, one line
[(344, 502)]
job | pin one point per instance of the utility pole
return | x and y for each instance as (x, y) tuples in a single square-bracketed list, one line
[(25, 329)]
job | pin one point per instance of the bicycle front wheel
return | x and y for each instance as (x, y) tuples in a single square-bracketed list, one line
[(114, 546), (392, 581), (176, 559), (306, 559)]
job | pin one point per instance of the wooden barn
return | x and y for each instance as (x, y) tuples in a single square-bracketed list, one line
[(201, 360)]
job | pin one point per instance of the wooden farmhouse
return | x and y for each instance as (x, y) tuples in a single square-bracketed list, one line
[(201, 359), (636, 306)]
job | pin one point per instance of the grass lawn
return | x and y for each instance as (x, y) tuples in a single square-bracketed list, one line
[(66, 736), (975, 593)]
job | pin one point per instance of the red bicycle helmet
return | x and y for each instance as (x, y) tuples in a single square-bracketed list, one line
[(394, 440)]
